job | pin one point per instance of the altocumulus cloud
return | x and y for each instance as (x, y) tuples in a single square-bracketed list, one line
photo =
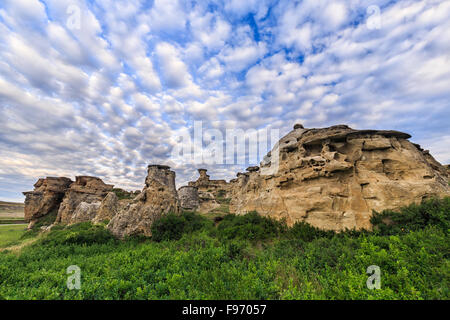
[(105, 87)]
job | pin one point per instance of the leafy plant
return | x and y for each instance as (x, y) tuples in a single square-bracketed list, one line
[(172, 226), (250, 226), (433, 212)]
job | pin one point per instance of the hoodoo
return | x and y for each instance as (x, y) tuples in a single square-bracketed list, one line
[(158, 197)]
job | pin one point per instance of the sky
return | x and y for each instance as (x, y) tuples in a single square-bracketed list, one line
[(104, 88)]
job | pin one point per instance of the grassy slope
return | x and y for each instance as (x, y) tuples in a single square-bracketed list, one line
[(11, 234), (240, 259)]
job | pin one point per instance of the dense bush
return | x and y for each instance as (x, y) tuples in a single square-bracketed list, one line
[(434, 212), (306, 232), (250, 226), (172, 226), (81, 233)]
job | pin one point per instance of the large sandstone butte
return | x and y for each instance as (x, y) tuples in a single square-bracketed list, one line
[(45, 198), (158, 197), (333, 178)]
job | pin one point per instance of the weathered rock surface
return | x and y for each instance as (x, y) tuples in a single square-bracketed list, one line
[(209, 191), (45, 198), (334, 177), (84, 212), (84, 190), (158, 197), (109, 207), (189, 199)]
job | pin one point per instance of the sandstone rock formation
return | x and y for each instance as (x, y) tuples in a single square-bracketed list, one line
[(84, 212), (334, 177), (45, 198), (158, 197), (109, 207), (208, 191), (85, 190), (188, 197)]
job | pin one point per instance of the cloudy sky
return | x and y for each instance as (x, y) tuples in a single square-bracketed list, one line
[(106, 87)]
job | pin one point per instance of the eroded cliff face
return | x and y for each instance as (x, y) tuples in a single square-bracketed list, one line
[(45, 198), (334, 177), (82, 200), (158, 197)]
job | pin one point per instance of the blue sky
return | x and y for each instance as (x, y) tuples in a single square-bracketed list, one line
[(104, 88)]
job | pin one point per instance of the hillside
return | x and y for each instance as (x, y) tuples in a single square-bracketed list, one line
[(241, 257)]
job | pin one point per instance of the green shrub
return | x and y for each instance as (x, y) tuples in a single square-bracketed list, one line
[(172, 226), (81, 233), (250, 226), (306, 232), (122, 194), (434, 212)]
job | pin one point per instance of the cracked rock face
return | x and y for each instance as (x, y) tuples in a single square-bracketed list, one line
[(87, 190), (334, 177), (158, 197), (189, 198), (46, 197)]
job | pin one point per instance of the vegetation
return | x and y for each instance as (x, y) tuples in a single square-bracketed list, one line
[(122, 194), (11, 235), (46, 220), (243, 257)]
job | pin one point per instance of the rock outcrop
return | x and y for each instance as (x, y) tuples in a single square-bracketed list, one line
[(109, 207), (209, 191), (188, 197), (45, 198), (334, 177), (158, 197), (87, 190)]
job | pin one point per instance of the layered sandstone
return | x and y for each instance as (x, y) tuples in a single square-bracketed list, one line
[(209, 191), (334, 177), (45, 198), (158, 197), (83, 197)]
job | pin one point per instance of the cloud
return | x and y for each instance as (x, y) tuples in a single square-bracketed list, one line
[(112, 96)]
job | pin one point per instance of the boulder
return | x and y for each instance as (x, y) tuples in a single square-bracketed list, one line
[(45, 198), (158, 197), (334, 177), (86, 190)]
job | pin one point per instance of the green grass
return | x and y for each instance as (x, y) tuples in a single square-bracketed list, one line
[(243, 257), (10, 235)]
